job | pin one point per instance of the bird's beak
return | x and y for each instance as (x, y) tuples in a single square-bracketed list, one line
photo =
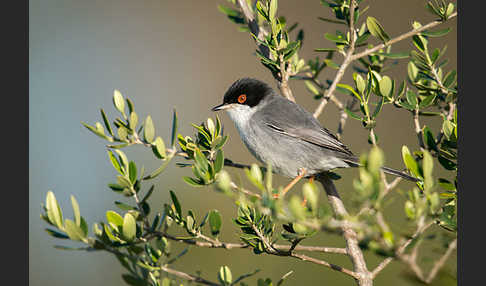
[(222, 106)]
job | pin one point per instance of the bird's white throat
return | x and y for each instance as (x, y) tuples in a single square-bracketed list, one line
[(240, 115)]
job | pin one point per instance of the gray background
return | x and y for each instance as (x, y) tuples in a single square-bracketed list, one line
[(183, 55)]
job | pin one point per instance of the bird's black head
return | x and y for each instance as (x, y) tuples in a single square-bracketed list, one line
[(245, 91)]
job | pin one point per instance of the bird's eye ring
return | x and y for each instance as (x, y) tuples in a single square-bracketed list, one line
[(242, 98)]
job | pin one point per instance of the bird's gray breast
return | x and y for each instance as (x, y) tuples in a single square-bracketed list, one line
[(286, 154)]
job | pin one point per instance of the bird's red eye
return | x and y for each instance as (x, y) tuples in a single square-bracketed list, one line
[(242, 98)]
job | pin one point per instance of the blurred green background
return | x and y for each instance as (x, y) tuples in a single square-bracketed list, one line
[(181, 54)]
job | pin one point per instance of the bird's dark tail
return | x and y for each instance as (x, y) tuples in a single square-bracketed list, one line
[(399, 174), (354, 163)]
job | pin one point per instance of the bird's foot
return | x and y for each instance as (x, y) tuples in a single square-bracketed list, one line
[(302, 172)]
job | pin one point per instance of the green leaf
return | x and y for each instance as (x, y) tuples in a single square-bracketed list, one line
[(376, 29), (410, 161), (174, 129), (272, 11), (133, 120), (129, 227), (124, 206), (326, 50), (450, 78), (426, 102), (438, 33), (348, 87), (429, 139), (130, 105), (123, 160), (177, 205), (450, 10), (448, 128), (447, 164), (73, 231), (119, 101), (411, 98), (53, 210), (360, 83), (410, 210), (386, 86), (311, 193), (122, 133), (352, 114), (331, 21), (215, 222), (158, 148), (219, 161), (56, 234), (412, 71), (378, 107), (201, 162), (193, 182), (98, 132), (228, 11), (296, 208), (396, 56), (256, 173), (335, 38), (114, 219), (132, 171), (311, 87), (134, 281), (420, 43), (427, 167), (77, 216), (149, 130), (107, 123), (446, 185), (224, 274)]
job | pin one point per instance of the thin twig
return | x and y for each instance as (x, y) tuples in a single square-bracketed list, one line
[(283, 82), (255, 29), (420, 229), (418, 130), (347, 60), (211, 243), (438, 265), (324, 263), (400, 38), (449, 117), (271, 249), (188, 277)]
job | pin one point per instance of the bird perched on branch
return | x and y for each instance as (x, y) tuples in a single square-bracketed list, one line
[(279, 132)]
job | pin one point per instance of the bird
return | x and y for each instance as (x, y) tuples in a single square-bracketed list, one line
[(281, 133)]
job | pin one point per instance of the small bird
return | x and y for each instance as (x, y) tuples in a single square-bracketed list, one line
[(279, 132)]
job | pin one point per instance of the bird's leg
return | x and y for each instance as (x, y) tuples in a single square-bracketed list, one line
[(302, 172)]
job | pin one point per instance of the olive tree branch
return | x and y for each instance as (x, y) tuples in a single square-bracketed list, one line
[(439, 263), (347, 60), (350, 57), (260, 32), (350, 236), (271, 249), (400, 38), (177, 273), (211, 243), (188, 277), (421, 228), (418, 129)]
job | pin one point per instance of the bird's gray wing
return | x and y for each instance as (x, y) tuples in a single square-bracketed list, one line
[(300, 124)]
